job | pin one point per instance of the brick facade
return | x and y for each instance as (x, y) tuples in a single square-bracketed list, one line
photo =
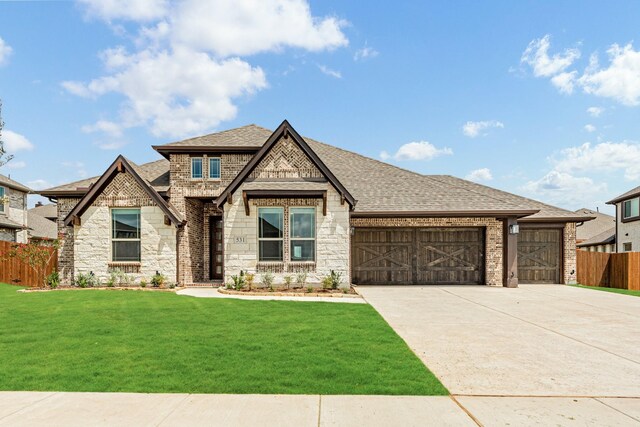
[(65, 253), (493, 237), (286, 160), (570, 255)]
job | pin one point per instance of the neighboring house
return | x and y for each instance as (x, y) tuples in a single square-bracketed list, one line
[(627, 221), (42, 220), (260, 201), (603, 242), (587, 230), (13, 210)]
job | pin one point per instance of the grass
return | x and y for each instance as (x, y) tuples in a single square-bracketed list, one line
[(614, 290), (134, 341)]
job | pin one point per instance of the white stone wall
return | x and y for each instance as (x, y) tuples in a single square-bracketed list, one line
[(628, 232), (332, 240), (92, 244), (16, 210)]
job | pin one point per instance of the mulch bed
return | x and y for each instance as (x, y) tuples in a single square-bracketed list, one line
[(295, 292)]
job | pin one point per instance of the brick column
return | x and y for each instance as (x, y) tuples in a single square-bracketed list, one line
[(510, 279)]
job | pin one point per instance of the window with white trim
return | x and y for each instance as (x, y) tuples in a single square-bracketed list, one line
[(125, 235), (631, 208), (302, 234), (2, 199), (270, 234), (196, 167), (214, 167)]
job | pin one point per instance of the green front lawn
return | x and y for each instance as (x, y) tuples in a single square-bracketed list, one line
[(614, 290), (134, 341)]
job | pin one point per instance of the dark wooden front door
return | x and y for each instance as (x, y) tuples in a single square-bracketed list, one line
[(539, 255), (215, 248), (418, 256)]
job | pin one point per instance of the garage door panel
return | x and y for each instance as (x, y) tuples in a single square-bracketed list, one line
[(418, 256), (539, 255)]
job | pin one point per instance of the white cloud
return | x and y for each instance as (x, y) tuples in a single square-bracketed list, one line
[(595, 111), (483, 174), (329, 72), (5, 52), (78, 166), (14, 142), (39, 184), (473, 129), (185, 78), (607, 157), (590, 128), (543, 65), (565, 81), (365, 53), (246, 27), (105, 126), (564, 188), (16, 164), (133, 10), (421, 150), (620, 80)]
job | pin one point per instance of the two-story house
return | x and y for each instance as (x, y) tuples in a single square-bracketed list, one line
[(262, 201), (13, 210), (627, 221)]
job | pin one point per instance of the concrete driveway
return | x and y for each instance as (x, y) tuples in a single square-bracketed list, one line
[(536, 340)]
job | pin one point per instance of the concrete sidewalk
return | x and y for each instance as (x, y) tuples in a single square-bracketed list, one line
[(124, 409)]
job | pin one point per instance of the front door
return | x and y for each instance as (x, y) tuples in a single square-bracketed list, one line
[(215, 248)]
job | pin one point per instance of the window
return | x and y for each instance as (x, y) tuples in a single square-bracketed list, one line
[(631, 208), (270, 234), (196, 167), (1, 199), (214, 168), (302, 232), (627, 247), (125, 235)]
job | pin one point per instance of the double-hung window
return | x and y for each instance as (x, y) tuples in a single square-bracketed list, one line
[(302, 234), (1, 199), (196, 167), (631, 208), (270, 234), (125, 235), (214, 168)]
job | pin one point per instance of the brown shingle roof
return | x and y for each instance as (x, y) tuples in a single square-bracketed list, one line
[(606, 237), (5, 181), (631, 193), (600, 224), (377, 186)]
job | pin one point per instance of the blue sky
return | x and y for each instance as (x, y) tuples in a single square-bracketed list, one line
[(537, 98)]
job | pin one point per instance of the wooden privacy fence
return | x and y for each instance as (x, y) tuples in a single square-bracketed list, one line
[(619, 270), (16, 272)]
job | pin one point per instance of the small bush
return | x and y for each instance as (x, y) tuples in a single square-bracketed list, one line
[(301, 279), (238, 281), (53, 279), (249, 278), (336, 279), (158, 280), (287, 281), (309, 289), (267, 280), (172, 286), (143, 283), (327, 282), (86, 280)]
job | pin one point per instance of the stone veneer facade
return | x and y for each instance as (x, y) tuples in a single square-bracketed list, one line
[(16, 210), (493, 237)]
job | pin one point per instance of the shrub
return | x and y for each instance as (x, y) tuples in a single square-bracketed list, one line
[(309, 289), (301, 279), (327, 282), (249, 278), (336, 279), (86, 280), (143, 283), (238, 281), (158, 280), (53, 279), (287, 281), (267, 280), (172, 286)]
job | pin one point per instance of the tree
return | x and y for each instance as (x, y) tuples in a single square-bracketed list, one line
[(4, 157)]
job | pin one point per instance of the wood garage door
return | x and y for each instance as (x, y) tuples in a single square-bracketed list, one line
[(539, 255), (418, 256)]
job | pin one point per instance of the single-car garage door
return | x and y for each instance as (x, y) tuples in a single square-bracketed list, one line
[(539, 255), (418, 256)]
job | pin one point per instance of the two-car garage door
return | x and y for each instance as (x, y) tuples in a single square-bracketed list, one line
[(405, 256)]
